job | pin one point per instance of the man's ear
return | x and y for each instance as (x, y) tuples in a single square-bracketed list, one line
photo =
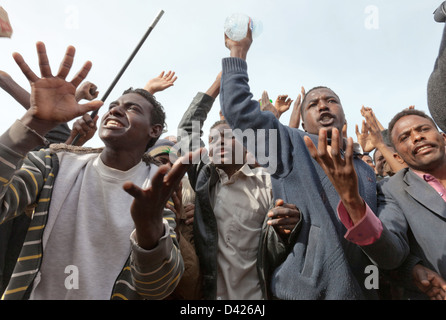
[(303, 126), (156, 131), (398, 158)]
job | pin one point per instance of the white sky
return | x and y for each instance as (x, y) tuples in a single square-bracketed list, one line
[(370, 52)]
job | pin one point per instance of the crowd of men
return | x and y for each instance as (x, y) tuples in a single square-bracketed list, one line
[(270, 211)]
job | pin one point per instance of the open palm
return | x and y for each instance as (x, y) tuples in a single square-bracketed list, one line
[(52, 97)]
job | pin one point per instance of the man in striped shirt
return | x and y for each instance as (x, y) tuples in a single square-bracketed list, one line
[(82, 243)]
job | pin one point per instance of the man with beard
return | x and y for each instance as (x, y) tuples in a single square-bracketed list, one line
[(411, 210)]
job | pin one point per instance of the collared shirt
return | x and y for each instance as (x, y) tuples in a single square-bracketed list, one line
[(433, 182), (369, 229), (240, 205)]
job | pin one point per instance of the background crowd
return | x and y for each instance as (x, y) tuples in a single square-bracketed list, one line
[(333, 206)]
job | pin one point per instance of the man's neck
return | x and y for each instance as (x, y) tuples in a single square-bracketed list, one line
[(438, 173), (230, 169), (119, 159)]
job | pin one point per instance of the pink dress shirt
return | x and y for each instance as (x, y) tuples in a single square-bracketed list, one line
[(369, 229)]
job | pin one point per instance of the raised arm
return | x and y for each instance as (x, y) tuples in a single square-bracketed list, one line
[(374, 128), (52, 97), (296, 112), (191, 124), (436, 87), (8, 84), (161, 82)]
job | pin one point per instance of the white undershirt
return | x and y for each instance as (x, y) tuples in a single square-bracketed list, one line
[(88, 229)]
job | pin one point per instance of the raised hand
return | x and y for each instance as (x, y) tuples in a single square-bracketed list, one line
[(295, 114), (373, 127), (87, 91), (266, 105), (148, 204), (160, 83), (282, 104), (339, 169), (364, 138), (239, 49), (85, 127), (52, 97)]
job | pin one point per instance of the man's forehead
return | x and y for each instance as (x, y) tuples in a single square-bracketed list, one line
[(136, 98), (221, 127), (409, 121), (321, 93)]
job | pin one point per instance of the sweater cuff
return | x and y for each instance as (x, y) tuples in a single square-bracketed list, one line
[(234, 65), (145, 259), (21, 138)]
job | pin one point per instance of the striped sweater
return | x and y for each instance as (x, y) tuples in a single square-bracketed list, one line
[(28, 181)]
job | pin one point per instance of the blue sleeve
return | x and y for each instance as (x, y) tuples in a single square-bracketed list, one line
[(272, 145)]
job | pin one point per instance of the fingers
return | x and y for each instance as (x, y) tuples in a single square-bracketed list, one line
[(67, 62), (348, 156), (322, 152), (26, 70), (90, 106), (284, 217), (265, 97), (311, 147), (170, 76), (357, 130), (133, 190), (158, 178), (180, 167), (45, 68), (92, 91), (298, 101), (335, 154), (85, 124), (82, 74), (44, 64)]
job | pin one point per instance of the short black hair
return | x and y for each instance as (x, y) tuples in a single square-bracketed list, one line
[(219, 122), (407, 112), (312, 89), (157, 115)]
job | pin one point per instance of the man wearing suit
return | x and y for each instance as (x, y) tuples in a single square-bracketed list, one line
[(411, 204)]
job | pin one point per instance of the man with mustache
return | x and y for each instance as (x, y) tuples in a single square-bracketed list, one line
[(321, 264), (94, 234), (411, 210)]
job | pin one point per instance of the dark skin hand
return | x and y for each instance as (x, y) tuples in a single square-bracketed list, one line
[(284, 217), (148, 204), (52, 97), (239, 49), (85, 127), (429, 282), (340, 170)]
